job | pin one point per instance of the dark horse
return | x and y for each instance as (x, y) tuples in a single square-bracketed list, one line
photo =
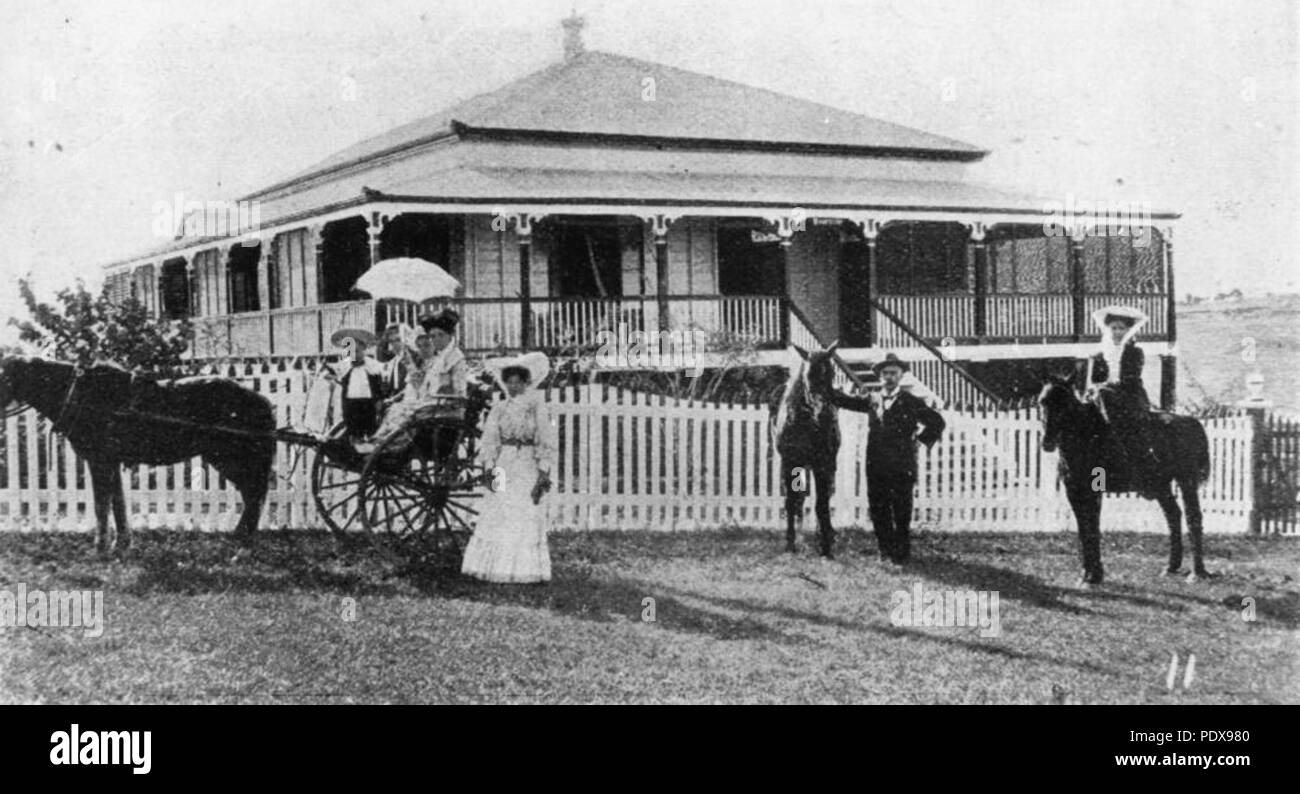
[(1182, 456), (806, 431), (112, 417)]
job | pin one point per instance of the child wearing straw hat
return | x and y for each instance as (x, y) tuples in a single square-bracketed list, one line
[(361, 378)]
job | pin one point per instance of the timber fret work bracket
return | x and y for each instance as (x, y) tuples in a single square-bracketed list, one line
[(524, 222), (870, 226), (978, 230), (375, 223), (787, 223), (659, 223)]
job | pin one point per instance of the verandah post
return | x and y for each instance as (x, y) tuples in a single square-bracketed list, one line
[(524, 232), (659, 225), (1078, 304), (979, 253)]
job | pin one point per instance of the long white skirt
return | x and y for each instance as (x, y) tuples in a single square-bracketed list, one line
[(509, 542)]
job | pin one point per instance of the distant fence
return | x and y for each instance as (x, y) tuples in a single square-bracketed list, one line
[(629, 460)]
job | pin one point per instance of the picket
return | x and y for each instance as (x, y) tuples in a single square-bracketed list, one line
[(635, 461)]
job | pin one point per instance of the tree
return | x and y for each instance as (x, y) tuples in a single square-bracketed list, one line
[(83, 328)]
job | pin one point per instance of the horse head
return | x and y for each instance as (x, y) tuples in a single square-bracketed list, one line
[(1056, 400), (29, 381), (802, 400), (820, 373), (11, 376)]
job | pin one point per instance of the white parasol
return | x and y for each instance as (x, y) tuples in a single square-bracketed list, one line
[(408, 278)]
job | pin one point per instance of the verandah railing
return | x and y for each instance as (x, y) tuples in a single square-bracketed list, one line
[(1012, 317), (489, 324)]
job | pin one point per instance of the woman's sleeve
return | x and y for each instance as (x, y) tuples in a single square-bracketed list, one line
[(490, 440), (1100, 371), (413, 389), (460, 378), (544, 439)]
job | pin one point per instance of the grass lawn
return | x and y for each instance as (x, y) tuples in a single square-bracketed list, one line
[(736, 620)]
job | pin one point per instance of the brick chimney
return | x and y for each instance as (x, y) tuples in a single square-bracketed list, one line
[(573, 26)]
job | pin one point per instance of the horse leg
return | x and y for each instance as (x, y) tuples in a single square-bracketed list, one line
[(252, 478), (101, 478), (1192, 503), (794, 493), (1174, 519), (1086, 504), (124, 537), (825, 532)]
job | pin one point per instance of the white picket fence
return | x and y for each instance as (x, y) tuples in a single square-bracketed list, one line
[(628, 460)]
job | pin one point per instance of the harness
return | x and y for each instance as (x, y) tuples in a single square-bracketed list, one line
[(57, 425)]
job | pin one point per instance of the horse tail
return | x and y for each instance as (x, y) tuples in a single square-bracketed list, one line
[(1202, 455)]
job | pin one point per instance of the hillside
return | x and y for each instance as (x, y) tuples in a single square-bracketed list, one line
[(1215, 338)]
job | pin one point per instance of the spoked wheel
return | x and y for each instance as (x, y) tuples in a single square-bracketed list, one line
[(418, 505), (336, 485)]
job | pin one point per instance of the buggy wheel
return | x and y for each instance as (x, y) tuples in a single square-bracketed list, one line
[(336, 486), (419, 508)]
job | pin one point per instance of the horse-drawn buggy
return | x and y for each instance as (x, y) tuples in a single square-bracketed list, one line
[(414, 492)]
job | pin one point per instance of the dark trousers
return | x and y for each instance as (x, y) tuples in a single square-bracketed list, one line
[(361, 417), (889, 501)]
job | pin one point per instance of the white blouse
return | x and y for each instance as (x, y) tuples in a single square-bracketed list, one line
[(522, 421), (445, 373)]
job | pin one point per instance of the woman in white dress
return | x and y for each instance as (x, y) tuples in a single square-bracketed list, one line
[(518, 445)]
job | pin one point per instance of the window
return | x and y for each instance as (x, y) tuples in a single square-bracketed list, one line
[(241, 272), (586, 259), (922, 259), (175, 290), (1022, 260)]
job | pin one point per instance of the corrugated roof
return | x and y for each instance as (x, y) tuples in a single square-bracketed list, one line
[(600, 94), (488, 173)]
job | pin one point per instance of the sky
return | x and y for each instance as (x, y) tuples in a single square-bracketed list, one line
[(108, 107)]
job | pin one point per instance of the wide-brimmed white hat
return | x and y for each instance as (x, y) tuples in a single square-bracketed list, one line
[(1135, 317), (537, 365)]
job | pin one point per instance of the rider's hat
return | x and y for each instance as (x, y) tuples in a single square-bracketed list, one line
[(1128, 315), (890, 360)]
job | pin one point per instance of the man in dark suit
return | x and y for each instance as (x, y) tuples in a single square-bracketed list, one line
[(894, 419)]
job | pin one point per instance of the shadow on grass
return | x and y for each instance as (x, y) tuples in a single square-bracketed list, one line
[(607, 600), (981, 646)]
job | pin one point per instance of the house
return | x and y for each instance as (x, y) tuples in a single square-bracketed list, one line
[(606, 190)]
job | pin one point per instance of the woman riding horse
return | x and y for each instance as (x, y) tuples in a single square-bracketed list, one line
[(1116, 378)]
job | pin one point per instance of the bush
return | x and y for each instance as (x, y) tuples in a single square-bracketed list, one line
[(82, 328)]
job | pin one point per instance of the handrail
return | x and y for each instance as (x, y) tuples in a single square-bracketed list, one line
[(807, 327), (934, 351)]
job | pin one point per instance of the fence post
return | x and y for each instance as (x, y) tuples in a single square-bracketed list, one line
[(1256, 406), (1257, 490)]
